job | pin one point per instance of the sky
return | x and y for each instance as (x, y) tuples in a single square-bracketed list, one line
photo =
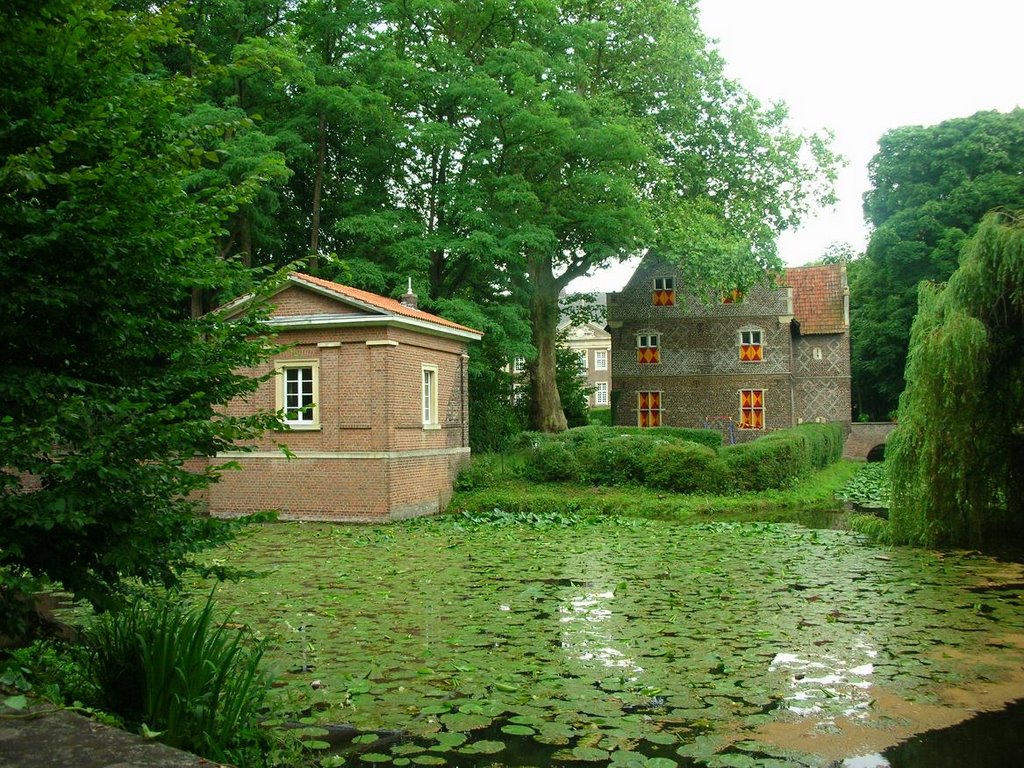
[(860, 68)]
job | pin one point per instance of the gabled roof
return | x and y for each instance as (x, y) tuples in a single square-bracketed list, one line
[(374, 309), (820, 296)]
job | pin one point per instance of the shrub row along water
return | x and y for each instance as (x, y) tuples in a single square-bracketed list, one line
[(682, 460)]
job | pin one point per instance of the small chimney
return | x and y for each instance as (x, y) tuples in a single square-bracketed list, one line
[(409, 299)]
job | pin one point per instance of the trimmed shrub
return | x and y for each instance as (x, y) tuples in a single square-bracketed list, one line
[(615, 461), (765, 463), (595, 432), (824, 443), (685, 467), (552, 461), (779, 458)]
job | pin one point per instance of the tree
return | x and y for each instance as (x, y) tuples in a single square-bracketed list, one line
[(957, 456), (931, 186), (109, 385), (542, 140)]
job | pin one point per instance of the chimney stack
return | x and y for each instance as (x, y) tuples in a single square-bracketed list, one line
[(409, 299)]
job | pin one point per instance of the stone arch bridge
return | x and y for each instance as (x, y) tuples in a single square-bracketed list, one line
[(865, 437)]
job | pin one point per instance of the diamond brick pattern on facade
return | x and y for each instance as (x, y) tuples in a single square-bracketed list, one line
[(801, 365)]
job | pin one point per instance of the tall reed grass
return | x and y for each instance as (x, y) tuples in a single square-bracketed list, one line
[(193, 681)]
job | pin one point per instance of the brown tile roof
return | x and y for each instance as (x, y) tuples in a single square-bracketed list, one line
[(819, 298), (383, 303)]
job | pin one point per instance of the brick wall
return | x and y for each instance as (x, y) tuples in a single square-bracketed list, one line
[(371, 487), (372, 457), (688, 400), (700, 371)]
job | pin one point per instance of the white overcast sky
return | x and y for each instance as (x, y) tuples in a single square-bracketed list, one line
[(860, 68)]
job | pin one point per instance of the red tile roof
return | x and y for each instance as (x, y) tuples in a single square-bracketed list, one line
[(819, 298), (379, 302)]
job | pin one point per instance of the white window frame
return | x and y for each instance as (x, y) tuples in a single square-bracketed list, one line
[(648, 341), (665, 284), (601, 393), (282, 394), (600, 359), (749, 333), (584, 359), (519, 365), (428, 396)]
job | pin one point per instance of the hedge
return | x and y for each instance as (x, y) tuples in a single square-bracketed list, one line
[(668, 458), (596, 432), (779, 458), (686, 467)]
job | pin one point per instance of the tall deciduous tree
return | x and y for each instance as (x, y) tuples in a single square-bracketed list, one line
[(542, 140), (958, 455), (108, 385), (931, 188)]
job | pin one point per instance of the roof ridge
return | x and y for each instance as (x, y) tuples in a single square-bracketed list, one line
[(380, 302)]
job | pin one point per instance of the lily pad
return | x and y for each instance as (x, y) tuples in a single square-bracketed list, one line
[(513, 729), (484, 747)]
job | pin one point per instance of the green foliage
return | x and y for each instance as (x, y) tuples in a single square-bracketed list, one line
[(686, 468), (931, 186), (487, 469), (600, 417), (109, 383), (594, 432), (870, 487), (625, 455), (602, 455), (52, 669), (615, 460), (573, 390), (553, 462), (568, 517), (872, 526), (179, 673), (957, 456), (778, 459)]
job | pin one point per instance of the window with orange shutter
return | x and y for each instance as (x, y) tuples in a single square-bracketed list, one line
[(751, 409), (649, 409), (751, 348), (664, 292), (648, 348)]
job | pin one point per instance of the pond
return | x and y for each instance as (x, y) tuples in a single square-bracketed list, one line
[(627, 642)]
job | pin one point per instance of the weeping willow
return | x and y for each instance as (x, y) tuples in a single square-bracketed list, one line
[(957, 457)]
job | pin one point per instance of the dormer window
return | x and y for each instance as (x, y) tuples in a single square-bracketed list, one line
[(648, 348), (751, 346), (664, 292)]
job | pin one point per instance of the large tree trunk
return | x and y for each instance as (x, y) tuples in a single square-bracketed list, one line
[(546, 407)]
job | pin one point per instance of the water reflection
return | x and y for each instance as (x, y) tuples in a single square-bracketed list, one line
[(829, 679), (587, 632)]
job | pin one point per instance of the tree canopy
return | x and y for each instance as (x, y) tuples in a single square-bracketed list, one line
[(958, 454), (157, 152), (108, 230), (494, 151), (931, 186)]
